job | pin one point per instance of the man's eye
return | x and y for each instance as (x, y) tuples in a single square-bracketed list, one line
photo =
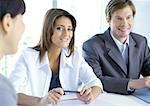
[(129, 17), (119, 18)]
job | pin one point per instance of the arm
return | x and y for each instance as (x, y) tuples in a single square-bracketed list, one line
[(20, 79), (92, 85), (53, 97), (26, 100), (145, 71), (25, 78), (89, 94)]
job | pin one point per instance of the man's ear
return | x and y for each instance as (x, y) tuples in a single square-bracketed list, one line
[(6, 22), (108, 20)]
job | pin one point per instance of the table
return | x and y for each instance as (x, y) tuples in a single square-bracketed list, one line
[(107, 99)]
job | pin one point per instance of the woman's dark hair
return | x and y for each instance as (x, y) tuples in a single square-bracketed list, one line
[(48, 27), (115, 5), (14, 7)]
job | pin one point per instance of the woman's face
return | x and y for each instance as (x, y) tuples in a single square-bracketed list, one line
[(63, 32), (14, 34)]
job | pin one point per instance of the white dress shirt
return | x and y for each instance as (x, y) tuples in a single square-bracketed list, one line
[(123, 48), (32, 77)]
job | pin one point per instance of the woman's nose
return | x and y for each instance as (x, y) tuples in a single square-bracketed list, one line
[(65, 32)]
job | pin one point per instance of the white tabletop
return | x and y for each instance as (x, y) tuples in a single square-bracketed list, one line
[(107, 99)]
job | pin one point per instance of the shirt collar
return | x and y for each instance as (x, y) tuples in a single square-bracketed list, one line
[(64, 60), (119, 44), (44, 60)]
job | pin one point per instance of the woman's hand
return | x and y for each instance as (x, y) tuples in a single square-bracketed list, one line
[(86, 95), (89, 94), (53, 96)]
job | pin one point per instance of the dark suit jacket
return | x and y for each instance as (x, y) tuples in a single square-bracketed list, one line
[(104, 57)]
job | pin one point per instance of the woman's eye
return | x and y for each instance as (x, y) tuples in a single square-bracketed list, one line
[(63, 29), (70, 29), (60, 28)]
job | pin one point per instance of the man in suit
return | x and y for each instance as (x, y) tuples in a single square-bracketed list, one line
[(119, 56)]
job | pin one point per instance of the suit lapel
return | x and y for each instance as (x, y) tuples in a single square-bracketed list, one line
[(132, 55), (114, 52)]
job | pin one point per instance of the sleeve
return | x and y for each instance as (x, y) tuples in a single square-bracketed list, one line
[(91, 51), (87, 75), (19, 76), (146, 64)]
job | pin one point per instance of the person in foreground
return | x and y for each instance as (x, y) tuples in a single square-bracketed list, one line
[(11, 12), (43, 72), (119, 56)]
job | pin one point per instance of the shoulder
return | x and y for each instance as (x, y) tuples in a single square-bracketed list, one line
[(7, 92), (95, 38), (4, 81), (6, 86), (29, 52), (97, 41), (28, 55), (99, 37), (138, 38), (94, 41)]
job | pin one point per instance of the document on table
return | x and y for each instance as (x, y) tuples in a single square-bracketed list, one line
[(102, 100), (143, 94), (69, 96)]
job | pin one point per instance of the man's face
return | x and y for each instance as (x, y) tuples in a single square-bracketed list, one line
[(121, 23)]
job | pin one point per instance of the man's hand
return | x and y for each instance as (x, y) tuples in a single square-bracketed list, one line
[(140, 83)]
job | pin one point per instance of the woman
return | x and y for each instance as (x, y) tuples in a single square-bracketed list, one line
[(11, 29), (43, 73)]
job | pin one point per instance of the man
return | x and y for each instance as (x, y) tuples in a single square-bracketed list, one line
[(119, 56)]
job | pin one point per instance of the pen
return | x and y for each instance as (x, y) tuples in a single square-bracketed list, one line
[(69, 91)]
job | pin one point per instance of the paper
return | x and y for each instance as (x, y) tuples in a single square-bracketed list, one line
[(143, 94), (69, 96)]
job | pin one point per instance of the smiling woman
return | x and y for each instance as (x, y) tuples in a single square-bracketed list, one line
[(87, 24), (56, 65), (61, 29)]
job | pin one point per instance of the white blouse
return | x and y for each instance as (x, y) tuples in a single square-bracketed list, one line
[(32, 77)]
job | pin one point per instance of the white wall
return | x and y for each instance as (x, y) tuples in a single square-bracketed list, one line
[(142, 18), (33, 19)]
